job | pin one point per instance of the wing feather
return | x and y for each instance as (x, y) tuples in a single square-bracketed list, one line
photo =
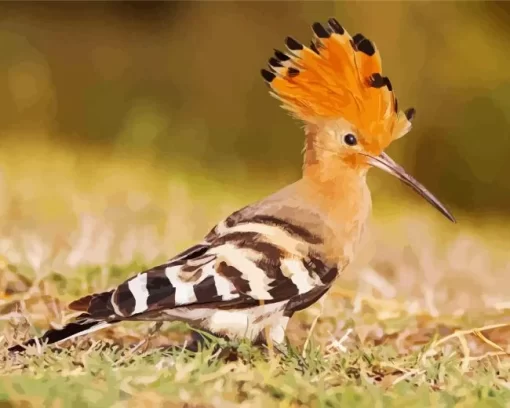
[(243, 262)]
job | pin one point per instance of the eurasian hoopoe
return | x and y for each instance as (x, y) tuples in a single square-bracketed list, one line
[(265, 262)]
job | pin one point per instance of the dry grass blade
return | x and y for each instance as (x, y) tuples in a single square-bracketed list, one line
[(489, 354), (466, 352), (458, 333), (408, 375), (478, 334), (314, 323), (131, 352)]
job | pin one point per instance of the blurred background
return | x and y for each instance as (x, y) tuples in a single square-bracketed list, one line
[(127, 129)]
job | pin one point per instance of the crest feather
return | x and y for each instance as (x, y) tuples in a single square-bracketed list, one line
[(338, 76)]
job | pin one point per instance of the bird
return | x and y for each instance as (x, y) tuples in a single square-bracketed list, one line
[(268, 260)]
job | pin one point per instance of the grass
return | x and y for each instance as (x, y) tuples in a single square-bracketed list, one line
[(419, 320)]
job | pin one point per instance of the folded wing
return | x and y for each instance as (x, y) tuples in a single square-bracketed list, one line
[(240, 264)]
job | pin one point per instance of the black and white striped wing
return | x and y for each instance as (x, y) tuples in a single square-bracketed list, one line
[(238, 265)]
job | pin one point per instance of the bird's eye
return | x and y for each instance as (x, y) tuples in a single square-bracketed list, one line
[(350, 139)]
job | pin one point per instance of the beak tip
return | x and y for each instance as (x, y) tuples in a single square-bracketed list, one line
[(384, 162), (448, 215)]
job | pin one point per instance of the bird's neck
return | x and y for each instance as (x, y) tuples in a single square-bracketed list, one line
[(337, 190), (341, 194)]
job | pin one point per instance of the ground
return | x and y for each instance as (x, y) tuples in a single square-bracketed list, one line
[(419, 320)]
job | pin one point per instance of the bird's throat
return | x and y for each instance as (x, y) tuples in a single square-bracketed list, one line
[(341, 194)]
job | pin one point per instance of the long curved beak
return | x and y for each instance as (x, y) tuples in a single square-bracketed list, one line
[(386, 163)]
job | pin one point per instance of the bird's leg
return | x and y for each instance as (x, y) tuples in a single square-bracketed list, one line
[(272, 346), (152, 331), (273, 337)]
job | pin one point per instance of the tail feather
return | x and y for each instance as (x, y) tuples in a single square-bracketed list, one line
[(69, 331), (98, 305), (82, 304)]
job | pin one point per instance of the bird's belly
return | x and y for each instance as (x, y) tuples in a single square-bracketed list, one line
[(234, 323)]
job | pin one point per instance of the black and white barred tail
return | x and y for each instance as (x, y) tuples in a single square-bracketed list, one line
[(69, 331)]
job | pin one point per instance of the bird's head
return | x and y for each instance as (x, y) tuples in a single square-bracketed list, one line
[(351, 115)]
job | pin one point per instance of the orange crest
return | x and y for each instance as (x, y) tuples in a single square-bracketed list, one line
[(338, 76)]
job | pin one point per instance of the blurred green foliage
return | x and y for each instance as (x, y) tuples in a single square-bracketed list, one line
[(178, 83)]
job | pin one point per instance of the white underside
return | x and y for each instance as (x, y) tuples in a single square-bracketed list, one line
[(240, 323)]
